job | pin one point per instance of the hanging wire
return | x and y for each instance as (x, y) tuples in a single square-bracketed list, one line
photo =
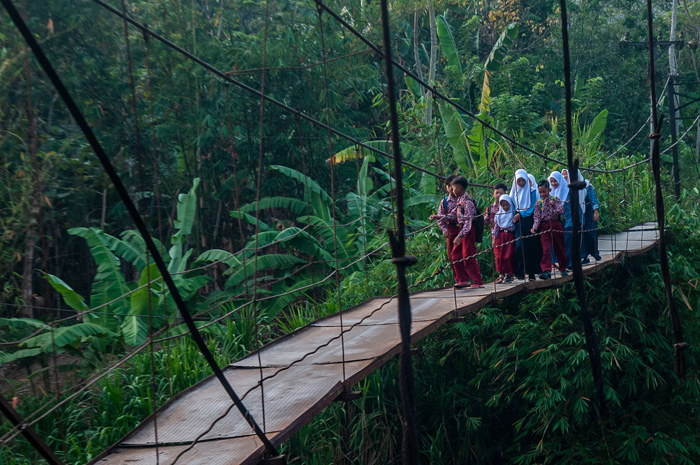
[(307, 197), (142, 187), (401, 260), (680, 345), (592, 343), (156, 172), (236, 190), (333, 209), (385, 125), (257, 209)]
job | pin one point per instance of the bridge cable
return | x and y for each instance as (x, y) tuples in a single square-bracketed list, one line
[(142, 188), (133, 212), (326, 96), (401, 260), (261, 151), (592, 343), (680, 345)]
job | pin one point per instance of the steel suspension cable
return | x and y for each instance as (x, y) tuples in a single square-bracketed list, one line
[(385, 126), (261, 150), (401, 260), (592, 343), (333, 209), (133, 212), (680, 345), (139, 156)]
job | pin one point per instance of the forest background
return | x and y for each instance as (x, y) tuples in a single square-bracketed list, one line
[(187, 146)]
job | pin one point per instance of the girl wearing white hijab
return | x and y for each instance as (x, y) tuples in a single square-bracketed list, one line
[(520, 193), (582, 192), (504, 247), (590, 225), (529, 249), (533, 186), (564, 193), (560, 187)]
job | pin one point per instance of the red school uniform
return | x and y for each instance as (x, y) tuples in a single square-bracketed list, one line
[(546, 221), (447, 222), (490, 220), (465, 253), (504, 250)]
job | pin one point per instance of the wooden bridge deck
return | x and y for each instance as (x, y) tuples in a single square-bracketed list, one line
[(294, 394)]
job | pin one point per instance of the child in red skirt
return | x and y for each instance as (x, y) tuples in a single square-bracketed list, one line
[(546, 214), (504, 242), (447, 222), (464, 250)]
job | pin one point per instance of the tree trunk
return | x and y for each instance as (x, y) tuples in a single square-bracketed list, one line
[(433, 61), (673, 64), (416, 52), (35, 209)]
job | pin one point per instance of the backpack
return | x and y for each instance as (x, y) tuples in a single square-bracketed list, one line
[(478, 223)]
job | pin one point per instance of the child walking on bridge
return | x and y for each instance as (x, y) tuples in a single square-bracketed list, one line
[(464, 250), (546, 214), (504, 240), (447, 222)]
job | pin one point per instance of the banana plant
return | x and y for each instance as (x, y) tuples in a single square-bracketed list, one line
[(590, 138), (119, 308), (469, 141)]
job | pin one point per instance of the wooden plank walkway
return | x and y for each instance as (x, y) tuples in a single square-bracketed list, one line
[(295, 393)]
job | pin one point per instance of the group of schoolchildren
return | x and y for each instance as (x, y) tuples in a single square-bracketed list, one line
[(530, 226)]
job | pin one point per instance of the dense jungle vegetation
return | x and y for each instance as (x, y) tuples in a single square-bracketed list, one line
[(237, 223)]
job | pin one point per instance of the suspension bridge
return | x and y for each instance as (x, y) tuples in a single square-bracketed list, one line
[(306, 370), (244, 411)]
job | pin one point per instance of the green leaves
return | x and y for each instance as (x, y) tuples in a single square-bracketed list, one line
[(264, 262), (456, 134), (494, 61), (320, 200), (70, 297), (447, 43), (186, 208), (109, 283)]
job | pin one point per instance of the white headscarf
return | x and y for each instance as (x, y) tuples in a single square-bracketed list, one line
[(521, 195), (562, 191), (505, 218), (582, 192), (533, 186)]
